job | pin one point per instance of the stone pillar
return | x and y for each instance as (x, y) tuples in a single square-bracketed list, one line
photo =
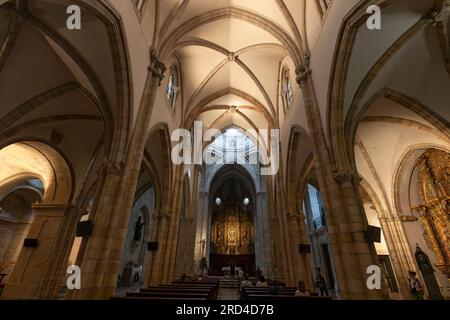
[(12, 235), (154, 273), (183, 263), (101, 259), (201, 229), (399, 252), (39, 272), (344, 212), (298, 235), (170, 246)]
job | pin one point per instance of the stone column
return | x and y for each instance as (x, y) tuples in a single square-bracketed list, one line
[(344, 214), (399, 252), (201, 229), (298, 235), (101, 259), (183, 261), (170, 245), (39, 272), (154, 273)]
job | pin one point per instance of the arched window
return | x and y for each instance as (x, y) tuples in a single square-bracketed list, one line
[(172, 86), (287, 90)]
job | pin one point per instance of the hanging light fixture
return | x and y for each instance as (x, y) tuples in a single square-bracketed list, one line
[(218, 202)]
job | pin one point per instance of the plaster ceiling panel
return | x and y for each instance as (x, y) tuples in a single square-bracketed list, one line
[(72, 103), (233, 34), (196, 64), (229, 100), (91, 42), (165, 8), (231, 76), (370, 45), (210, 116), (198, 7), (267, 9), (295, 9), (256, 117), (387, 142), (265, 68), (32, 68), (386, 107)]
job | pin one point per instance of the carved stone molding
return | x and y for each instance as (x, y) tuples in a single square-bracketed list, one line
[(344, 176), (437, 15), (157, 68), (303, 71), (111, 167)]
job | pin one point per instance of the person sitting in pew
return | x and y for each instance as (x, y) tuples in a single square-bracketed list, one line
[(275, 288), (183, 277), (246, 282), (262, 282), (301, 290)]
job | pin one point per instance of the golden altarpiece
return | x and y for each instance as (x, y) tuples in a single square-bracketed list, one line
[(434, 188), (232, 230)]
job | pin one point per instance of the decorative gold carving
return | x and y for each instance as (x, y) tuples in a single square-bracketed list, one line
[(232, 231), (434, 181)]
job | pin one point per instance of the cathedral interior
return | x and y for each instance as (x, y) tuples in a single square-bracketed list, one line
[(144, 143)]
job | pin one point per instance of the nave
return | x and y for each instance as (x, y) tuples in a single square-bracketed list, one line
[(167, 140)]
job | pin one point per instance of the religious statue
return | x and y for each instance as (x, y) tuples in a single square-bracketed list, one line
[(427, 270), (138, 229)]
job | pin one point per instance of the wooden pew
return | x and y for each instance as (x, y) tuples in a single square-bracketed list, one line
[(157, 298), (194, 284), (283, 297), (287, 291), (186, 296), (205, 290)]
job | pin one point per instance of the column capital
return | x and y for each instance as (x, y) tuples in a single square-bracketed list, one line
[(437, 14), (110, 167), (157, 68), (303, 71), (344, 176)]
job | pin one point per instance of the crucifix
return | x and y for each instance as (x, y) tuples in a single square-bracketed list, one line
[(203, 245)]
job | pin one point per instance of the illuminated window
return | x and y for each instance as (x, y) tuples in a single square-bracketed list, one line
[(287, 90), (172, 86)]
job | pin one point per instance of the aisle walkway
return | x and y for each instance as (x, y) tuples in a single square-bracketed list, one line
[(228, 290)]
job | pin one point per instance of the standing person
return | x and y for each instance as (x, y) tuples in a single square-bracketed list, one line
[(415, 287), (301, 289), (321, 283)]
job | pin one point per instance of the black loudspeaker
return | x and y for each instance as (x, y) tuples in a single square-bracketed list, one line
[(152, 246), (373, 234), (84, 228), (304, 248), (30, 243)]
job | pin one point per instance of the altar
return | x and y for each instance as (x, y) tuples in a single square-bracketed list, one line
[(219, 264), (227, 271)]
